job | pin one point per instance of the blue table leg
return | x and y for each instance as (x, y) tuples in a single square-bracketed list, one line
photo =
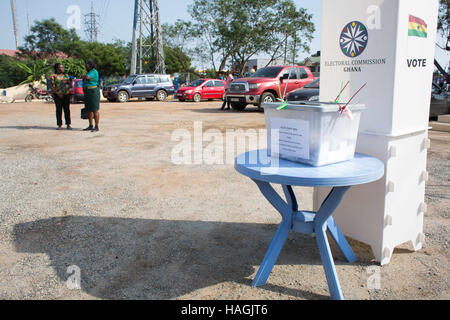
[(290, 197), (272, 254), (282, 232), (323, 215), (323, 221), (340, 240)]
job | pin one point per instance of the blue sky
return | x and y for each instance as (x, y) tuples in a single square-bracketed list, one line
[(116, 17)]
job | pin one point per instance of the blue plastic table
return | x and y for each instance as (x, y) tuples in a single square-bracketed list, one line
[(263, 170)]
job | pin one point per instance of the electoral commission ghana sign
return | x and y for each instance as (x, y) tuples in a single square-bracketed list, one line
[(390, 46)]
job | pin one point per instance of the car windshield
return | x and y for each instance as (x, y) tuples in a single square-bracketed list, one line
[(314, 85), (269, 72), (129, 80), (196, 83)]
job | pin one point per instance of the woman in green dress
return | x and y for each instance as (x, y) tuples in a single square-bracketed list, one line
[(59, 85), (91, 96)]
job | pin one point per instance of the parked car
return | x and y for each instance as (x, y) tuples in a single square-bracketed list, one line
[(310, 92), (202, 89), (263, 85), (76, 90), (439, 97), (149, 86), (439, 102)]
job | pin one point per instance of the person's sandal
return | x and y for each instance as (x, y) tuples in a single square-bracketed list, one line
[(69, 127), (90, 128), (96, 129)]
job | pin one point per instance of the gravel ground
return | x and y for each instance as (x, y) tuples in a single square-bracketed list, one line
[(137, 226)]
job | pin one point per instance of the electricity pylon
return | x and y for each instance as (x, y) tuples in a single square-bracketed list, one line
[(91, 25), (147, 37)]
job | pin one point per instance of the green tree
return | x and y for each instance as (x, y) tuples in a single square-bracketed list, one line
[(108, 57), (174, 58), (241, 29), (10, 73), (177, 52), (73, 67), (48, 38), (36, 72)]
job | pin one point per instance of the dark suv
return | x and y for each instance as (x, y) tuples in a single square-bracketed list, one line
[(146, 86)]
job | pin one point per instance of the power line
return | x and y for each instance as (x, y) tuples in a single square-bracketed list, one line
[(91, 25), (103, 12), (147, 30)]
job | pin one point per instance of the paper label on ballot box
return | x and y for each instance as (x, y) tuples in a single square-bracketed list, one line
[(293, 138)]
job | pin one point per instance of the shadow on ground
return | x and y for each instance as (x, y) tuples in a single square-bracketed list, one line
[(160, 259)]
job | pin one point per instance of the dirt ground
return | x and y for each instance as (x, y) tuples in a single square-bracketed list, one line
[(114, 208)]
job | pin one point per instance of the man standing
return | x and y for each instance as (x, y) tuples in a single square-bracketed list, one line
[(230, 79), (246, 72)]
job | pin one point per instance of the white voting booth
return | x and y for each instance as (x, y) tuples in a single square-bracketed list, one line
[(388, 45)]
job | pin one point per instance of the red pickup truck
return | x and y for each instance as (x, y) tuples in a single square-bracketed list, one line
[(262, 86)]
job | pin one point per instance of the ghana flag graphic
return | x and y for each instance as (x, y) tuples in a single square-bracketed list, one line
[(417, 27)]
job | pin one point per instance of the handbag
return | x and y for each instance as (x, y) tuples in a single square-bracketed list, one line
[(84, 114)]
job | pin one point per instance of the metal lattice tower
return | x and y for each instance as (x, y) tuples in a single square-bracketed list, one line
[(14, 17), (91, 25), (147, 38)]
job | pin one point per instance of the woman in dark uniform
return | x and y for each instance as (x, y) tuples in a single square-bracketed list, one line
[(91, 96)]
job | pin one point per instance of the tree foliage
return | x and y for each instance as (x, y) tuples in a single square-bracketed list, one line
[(241, 29), (108, 58), (177, 52), (49, 38), (36, 73), (73, 67), (10, 73), (176, 60)]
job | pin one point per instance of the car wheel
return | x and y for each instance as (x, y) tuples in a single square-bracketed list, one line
[(197, 97), (267, 97), (28, 98), (123, 96), (238, 106), (161, 95)]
